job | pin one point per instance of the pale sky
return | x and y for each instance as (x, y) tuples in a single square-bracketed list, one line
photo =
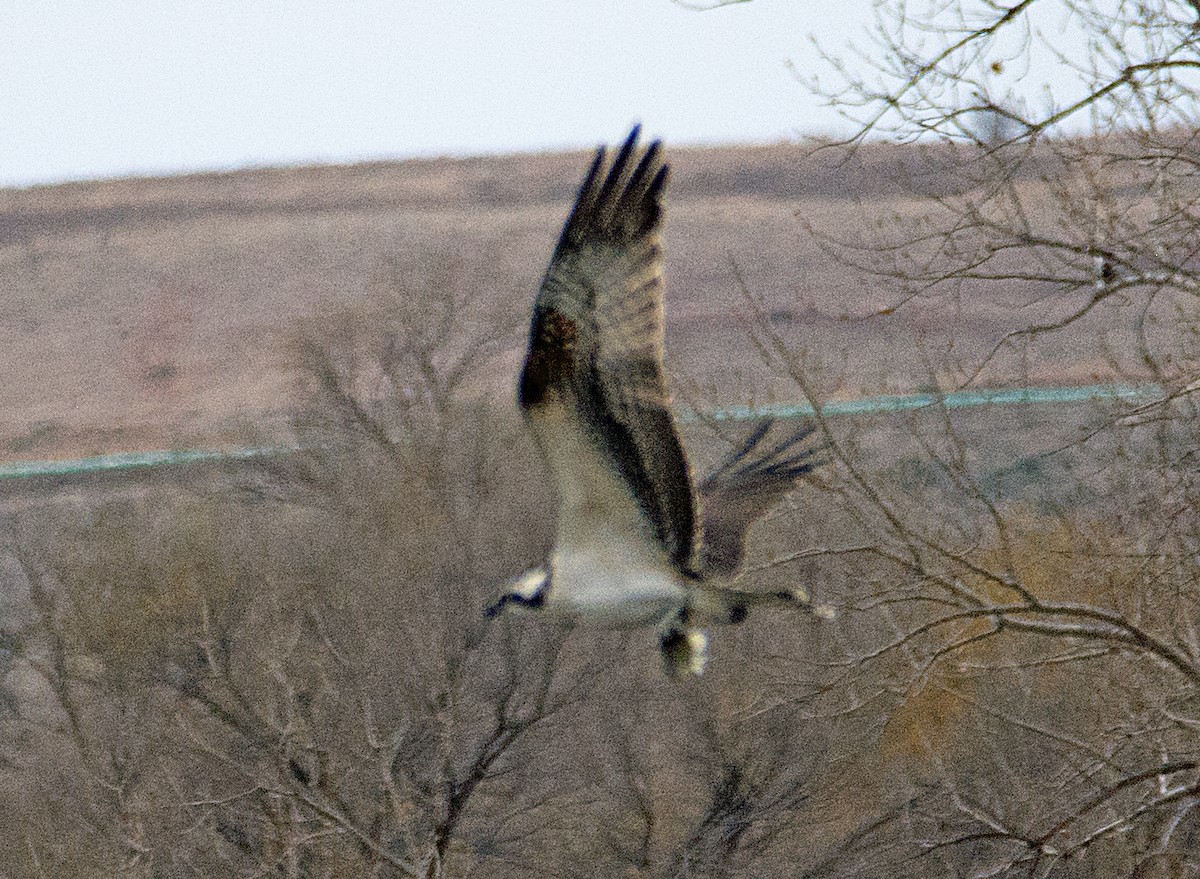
[(102, 88)]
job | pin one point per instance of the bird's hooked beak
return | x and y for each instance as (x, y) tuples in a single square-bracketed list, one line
[(528, 590)]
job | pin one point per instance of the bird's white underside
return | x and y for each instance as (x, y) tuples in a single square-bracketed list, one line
[(604, 588), (607, 566)]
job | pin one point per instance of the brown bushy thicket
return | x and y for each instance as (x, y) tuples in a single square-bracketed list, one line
[(1052, 653), (287, 672), (284, 671)]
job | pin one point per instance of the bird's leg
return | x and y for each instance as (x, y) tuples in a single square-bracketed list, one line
[(732, 606), (800, 597)]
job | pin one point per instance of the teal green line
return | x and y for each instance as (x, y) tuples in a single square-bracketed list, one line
[(864, 406), (131, 460), (951, 400)]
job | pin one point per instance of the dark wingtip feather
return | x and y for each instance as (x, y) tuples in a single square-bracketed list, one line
[(585, 199), (793, 468), (780, 462), (660, 179), (615, 202), (745, 486), (594, 171), (617, 173), (648, 158), (747, 446)]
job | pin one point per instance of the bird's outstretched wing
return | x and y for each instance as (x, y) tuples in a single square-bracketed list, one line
[(745, 486), (593, 373)]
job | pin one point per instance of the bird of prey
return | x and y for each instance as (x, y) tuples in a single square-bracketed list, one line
[(629, 548)]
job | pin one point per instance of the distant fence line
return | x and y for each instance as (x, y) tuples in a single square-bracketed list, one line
[(119, 461), (951, 400)]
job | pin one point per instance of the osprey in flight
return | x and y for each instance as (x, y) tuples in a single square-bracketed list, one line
[(628, 548)]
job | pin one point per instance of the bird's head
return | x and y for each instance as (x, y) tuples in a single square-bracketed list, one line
[(529, 590)]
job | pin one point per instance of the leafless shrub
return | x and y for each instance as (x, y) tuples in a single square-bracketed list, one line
[(1032, 672), (290, 675), (1030, 656)]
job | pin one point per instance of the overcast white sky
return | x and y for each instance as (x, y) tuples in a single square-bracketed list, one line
[(100, 88)]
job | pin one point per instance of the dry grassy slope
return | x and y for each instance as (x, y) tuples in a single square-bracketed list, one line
[(149, 313)]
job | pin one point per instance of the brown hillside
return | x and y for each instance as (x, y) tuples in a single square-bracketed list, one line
[(154, 312)]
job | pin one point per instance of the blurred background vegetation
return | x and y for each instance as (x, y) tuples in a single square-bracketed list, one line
[(278, 666)]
